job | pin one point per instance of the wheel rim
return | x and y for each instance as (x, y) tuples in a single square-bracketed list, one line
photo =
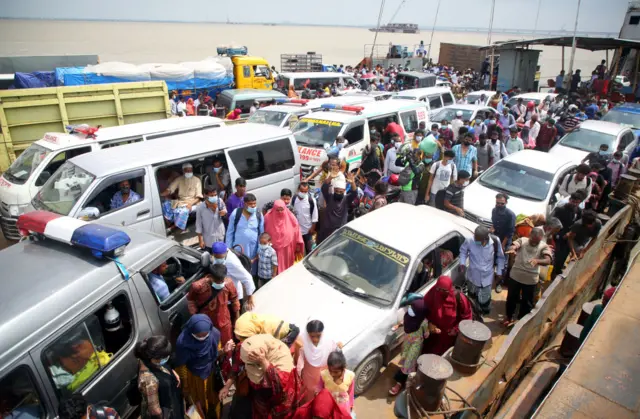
[(368, 372)]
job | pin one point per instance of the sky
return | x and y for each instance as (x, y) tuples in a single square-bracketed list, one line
[(595, 15)]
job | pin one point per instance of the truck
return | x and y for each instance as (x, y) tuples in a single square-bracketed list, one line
[(27, 114), (249, 72)]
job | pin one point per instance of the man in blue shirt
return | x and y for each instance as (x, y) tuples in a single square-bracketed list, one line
[(591, 109), (158, 281), (124, 196), (484, 253)]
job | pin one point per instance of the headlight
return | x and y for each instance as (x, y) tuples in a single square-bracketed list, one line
[(17, 210)]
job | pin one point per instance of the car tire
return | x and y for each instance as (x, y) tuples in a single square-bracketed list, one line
[(368, 371)]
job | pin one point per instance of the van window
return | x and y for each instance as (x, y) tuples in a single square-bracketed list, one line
[(246, 72), (84, 350), (355, 134), (447, 99), (110, 195), (19, 397), (172, 277), (59, 159), (263, 159), (627, 139), (244, 106), (435, 102), (409, 120), (117, 143), (436, 262)]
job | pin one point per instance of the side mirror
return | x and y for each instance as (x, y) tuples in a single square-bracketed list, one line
[(44, 176), (205, 259), (89, 213)]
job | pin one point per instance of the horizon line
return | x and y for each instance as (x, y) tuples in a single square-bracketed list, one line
[(440, 28)]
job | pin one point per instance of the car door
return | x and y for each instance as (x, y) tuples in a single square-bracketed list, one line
[(435, 103), (553, 197), (102, 202), (355, 134), (167, 315)]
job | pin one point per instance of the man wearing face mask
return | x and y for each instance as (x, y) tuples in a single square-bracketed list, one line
[(124, 196), (485, 152), (514, 144), (390, 166), (466, 156), (246, 224), (503, 224), (241, 278), (530, 253), (209, 223), (337, 204), (568, 214), (307, 214), (158, 279), (219, 178), (189, 190), (216, 296)]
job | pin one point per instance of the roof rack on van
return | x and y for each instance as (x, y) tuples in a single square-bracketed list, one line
[(280, 100), (349, 108), (102, 241)]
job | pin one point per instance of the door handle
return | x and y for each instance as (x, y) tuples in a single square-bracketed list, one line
[(144, 212), (173, 317)]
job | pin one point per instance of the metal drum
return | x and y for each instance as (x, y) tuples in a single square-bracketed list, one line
[(471, 340), (635, 173), (587, 308), (432, 374), (571, 340), (624, 186), (615, 205)]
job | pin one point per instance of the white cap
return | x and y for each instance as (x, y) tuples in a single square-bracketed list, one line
[(459, 113), (187, 166), (339, 183)]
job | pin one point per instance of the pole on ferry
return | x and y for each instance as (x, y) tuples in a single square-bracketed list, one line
[(493, 7), (375, 38), (635, 71), (563, 59), (573, 44), (432, 31), (535, 27)]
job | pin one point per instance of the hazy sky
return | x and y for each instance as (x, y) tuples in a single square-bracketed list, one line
[(595, 15)]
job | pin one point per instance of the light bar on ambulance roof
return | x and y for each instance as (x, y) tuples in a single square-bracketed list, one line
[(292, 101), (356, 109), (101, 240)]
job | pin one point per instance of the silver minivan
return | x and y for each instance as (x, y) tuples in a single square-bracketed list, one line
[(265, 156), (70, 322)]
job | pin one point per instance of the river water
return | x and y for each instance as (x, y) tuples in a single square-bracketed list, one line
[(150, 42)]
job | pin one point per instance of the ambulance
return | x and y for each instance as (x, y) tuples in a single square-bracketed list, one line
[(316, 132), (20, 183)]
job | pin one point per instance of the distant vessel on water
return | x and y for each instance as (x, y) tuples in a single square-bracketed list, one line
[(398, 28)]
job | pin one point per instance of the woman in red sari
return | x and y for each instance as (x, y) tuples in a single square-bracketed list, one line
[(444, 314), (275, 387), (286, 239), (323, 406)]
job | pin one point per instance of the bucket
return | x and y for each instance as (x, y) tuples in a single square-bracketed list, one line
[(470, 342), (433, 371), (587, 308), (625, 186), (571, 340)]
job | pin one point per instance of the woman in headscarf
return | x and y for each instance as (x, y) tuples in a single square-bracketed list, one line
[(191, 108), (316, 348), (444, 310), (416, 331), (275, 387), (234, 114), (323, 406), (286, 238), (196, 354)]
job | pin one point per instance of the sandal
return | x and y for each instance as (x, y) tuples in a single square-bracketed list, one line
[(395, 390), (508, 322)]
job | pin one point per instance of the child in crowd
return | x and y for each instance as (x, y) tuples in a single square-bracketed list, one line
[(339, 381), (267, 260)]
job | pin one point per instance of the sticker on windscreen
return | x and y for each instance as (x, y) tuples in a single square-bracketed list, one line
[(322, 122), (399, 258)]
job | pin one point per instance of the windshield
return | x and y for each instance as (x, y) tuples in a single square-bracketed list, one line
[(517, 180), (587, 140), (359, 266), (268, 117), (628, 119), (61, 192), (26, 163), (450, 114), (316, 132)]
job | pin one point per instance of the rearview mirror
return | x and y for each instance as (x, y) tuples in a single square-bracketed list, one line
[(205, 259)]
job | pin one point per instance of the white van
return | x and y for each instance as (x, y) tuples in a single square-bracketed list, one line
[(318, 129), (21, 182), (266, 157), (279, 115), (320, 79), (434, 97)]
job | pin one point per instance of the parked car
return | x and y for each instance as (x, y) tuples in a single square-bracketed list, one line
[(469, 113), (588, 137), (530, 178), (354, 281)]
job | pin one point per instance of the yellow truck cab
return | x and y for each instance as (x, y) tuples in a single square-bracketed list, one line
[(252, 72)]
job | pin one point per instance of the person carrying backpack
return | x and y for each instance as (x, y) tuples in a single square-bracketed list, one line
[(443, 173), (246, 224), (409, 178), (486, 260), (306, 209)]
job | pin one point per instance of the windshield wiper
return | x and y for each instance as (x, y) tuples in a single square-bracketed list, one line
[(324, 274), (342, 284), (11, 176), (364, 296)]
